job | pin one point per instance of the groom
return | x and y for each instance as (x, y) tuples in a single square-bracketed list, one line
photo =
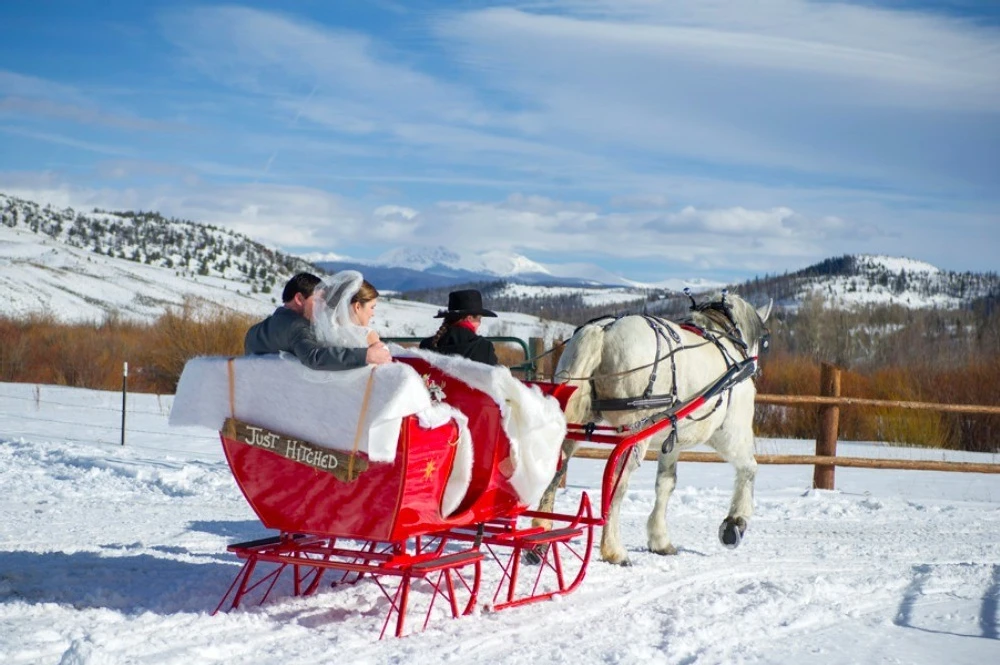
[(290, 329)]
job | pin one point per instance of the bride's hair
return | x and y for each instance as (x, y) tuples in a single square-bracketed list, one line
[(332, 322), (366, 293)]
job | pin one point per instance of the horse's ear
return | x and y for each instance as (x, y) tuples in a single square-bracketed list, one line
[(765, 311)]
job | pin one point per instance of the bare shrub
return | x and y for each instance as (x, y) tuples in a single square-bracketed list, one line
[(785, 374), (194, 329)]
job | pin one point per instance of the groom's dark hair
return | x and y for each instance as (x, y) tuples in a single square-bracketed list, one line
[(304, 283)]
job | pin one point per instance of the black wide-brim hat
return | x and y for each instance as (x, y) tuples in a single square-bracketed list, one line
[(467, 302)]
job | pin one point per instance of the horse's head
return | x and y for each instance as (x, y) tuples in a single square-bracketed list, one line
[(737, 318)]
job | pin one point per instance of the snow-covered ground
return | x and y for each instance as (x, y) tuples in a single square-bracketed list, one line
[(112, 555)]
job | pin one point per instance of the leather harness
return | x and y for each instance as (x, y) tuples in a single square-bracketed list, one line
[(720, 314)]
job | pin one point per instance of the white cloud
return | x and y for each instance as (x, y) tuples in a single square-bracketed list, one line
[(782, 132), (59, 139), (898, 47), (394, 211), (354, 78), (813, 87), (291, 218)]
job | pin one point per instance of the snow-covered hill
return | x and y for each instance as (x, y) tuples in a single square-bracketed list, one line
[(880, 280), (186, 248), (868, 279), (43, 275)]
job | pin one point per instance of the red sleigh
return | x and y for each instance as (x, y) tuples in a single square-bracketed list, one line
[(343, 519)]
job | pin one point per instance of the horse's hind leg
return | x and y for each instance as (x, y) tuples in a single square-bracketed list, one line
[(656, 525), (741, 508), (611, 541)]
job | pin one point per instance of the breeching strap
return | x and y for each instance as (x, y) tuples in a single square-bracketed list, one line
[(361, 424)]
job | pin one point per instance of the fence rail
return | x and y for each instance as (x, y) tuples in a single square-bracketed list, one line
[(816, 400), (857, 462)]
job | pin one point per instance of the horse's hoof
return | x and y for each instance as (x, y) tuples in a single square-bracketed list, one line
[(731, 531), (624, 561), (669, 550), (532, 557)]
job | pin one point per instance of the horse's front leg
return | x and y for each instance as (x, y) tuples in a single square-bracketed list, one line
[(741, 508), (656, 525), (611, 541)]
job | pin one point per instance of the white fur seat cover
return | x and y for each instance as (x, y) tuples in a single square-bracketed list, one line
[(533, 422), (281, 394)]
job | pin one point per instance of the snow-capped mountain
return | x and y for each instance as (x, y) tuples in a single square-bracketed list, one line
[(497, 263), (409, 268)]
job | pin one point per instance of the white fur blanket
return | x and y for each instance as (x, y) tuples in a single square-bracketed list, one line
[(532, 421), (323, 408)]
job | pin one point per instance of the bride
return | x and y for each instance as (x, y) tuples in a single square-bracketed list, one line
[(346, 309)]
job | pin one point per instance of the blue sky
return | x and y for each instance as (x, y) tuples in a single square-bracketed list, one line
[(694, 138)]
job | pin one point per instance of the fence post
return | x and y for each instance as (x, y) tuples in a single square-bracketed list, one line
[(829, 423), (124, 392), (536, 346)]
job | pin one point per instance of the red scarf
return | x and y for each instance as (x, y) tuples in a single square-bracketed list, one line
[(468, 325)]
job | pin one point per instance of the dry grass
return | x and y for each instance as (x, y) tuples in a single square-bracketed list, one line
[(190, 331), (38, 349), (973, 383)]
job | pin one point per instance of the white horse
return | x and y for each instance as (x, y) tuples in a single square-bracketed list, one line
[(640, 366)]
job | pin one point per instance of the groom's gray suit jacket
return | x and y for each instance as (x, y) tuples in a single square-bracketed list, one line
[(289, 331)]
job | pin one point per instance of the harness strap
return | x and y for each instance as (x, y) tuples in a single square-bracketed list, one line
[(361, 424), (648, 399), (648, 392), (671, 440), (715, 408), (231, 424), (632, 403), (738, 373)]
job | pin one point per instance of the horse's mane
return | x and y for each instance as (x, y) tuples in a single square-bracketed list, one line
[(743, 314)]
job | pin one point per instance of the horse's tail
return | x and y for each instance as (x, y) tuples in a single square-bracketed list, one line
[(580, 358)]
